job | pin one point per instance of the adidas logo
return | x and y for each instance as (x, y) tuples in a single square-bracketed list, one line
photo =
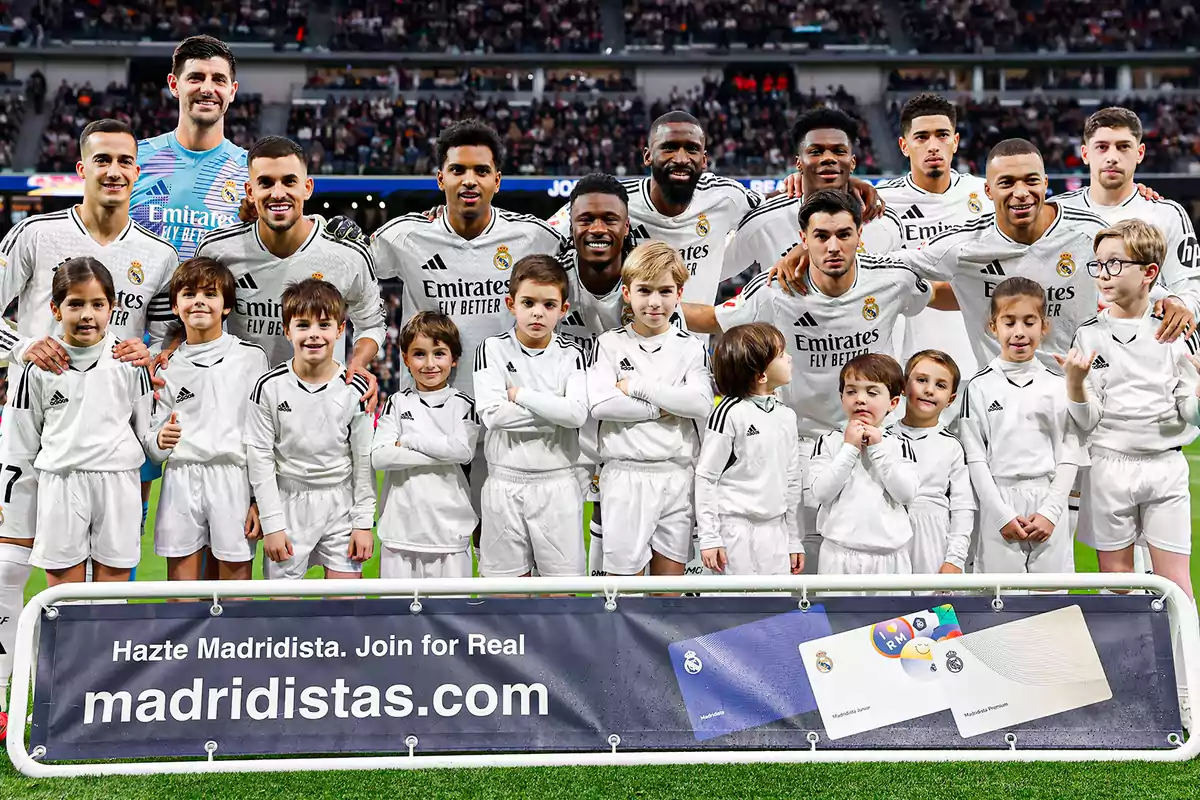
[(993, 268), (752, 431), (1099, 363), (58, 399), (246, 282), (511, 368), (184, 394), (995, 406), (574, 318), (626, 365), (434, 263), (640, 232), (406, 415), (806, 321), (912, 213), (284, 406)]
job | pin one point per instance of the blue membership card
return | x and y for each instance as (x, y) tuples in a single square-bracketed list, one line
[(749, 675)]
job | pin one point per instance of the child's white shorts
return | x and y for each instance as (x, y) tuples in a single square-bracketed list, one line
[(82, 515), (838, 560), (1139, 497), (318, 525), (397, 563), (755, 546), (930, 526), (1056, 554), (203, 505), (647, 509), (532, 519)]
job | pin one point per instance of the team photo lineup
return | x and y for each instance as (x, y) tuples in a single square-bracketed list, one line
[(976, 391)]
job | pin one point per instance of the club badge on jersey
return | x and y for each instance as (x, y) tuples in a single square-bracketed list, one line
[(1066, 265), (974, 204), (503, 259)]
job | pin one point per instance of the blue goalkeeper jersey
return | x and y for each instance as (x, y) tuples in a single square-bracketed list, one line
[(183, 194)]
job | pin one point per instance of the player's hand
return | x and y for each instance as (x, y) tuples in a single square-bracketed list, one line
[(433, 213), (1147, 193), (253, 526), (714, 558), (872, 435), (277, 546), (1177, 319), (159, 362), (362, 545), (1075, 365), (171, 433), (1013, 531), (247, 212), (1038, 528), (789, 271), (623, 385), (371, 395), (512, 393), (345, 229), (949, 569), (797, 563), (132, 351), (48, 355), (855, 433), (865, 191), (793, 185)]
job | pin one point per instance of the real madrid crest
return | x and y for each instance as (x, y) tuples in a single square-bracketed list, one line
[(137, 275), (626, 314), (503, 259), (1066, 265), (824, 662), (862, 248), (318, 276), (692, 663), (974, 204), (870, 308), (1, 516), (702, 226), (229, 192), (953, 662)]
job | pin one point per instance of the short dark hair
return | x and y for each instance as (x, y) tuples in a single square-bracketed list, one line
[(539, 268), (742, 354), (1112, 117), (1017, 286), (926, 104), (104, 126), (820, 118), (675, 117), (202, 271), (275, 147), (75, 271), (437, 326), (876, 368), (201, 48), (1014, 147), (829, 201), (470, 133), (937, 357), (599, 183), (313, 298)]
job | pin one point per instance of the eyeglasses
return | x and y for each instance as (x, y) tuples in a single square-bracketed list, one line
[(1113, 266)]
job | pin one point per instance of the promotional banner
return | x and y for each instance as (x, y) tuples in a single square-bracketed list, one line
[(527, 675)]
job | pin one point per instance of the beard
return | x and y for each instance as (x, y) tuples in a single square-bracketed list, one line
[(675, 192)]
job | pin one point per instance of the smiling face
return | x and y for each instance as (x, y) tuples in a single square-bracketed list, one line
[(429, 362), (1017, 185), (599, 225), (928, 391), (469, 179), (205, 88), (826, 159), (279, 187), (1019, 327), (313, 339), (677, 158), (84, 313), (108, 167), (202, 309), (1112, 155)]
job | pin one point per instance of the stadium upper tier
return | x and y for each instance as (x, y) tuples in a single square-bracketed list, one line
[(165, 20), (12, 111)]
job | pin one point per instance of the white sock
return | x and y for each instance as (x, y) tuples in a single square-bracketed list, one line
[(14, 574)]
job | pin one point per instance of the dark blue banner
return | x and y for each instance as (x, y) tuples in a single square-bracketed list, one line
[(521, 675)]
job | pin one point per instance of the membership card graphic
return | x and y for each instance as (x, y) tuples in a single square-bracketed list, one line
[(1021, 671), (880, 674), (748, 675)]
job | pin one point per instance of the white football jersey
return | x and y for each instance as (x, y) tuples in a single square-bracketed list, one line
[(208, 388), (770, 231), (1137, 386), (261, 278), (466, 279), (590, 315), (539, 431), (425, 506), (1181, 270), (141, 265), (977, 256), (823, 333), (309, 435)]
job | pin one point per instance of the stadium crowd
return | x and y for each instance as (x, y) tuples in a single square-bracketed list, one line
[(753, 23), (12, 111), (237, 20)]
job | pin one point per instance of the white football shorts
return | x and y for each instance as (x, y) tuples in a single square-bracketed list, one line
[(647, 509), (318, 525), (203, 505), (755, 547), (82, 515), (396, 563), (1134, 497), (930, 527), (1056, 554), (532, 520)]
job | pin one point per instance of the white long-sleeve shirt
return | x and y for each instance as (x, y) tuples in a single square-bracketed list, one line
[(1141, 393), (208, 387), (1015, 426), (944, 486), (316, 435), (422, 442), (749, 466), (862, 493), (668, 372), (539, 431)]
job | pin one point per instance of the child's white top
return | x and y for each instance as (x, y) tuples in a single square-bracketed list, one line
[(942, 468), (1141, 392), (668, 372), (426, 502), (539, 432)]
